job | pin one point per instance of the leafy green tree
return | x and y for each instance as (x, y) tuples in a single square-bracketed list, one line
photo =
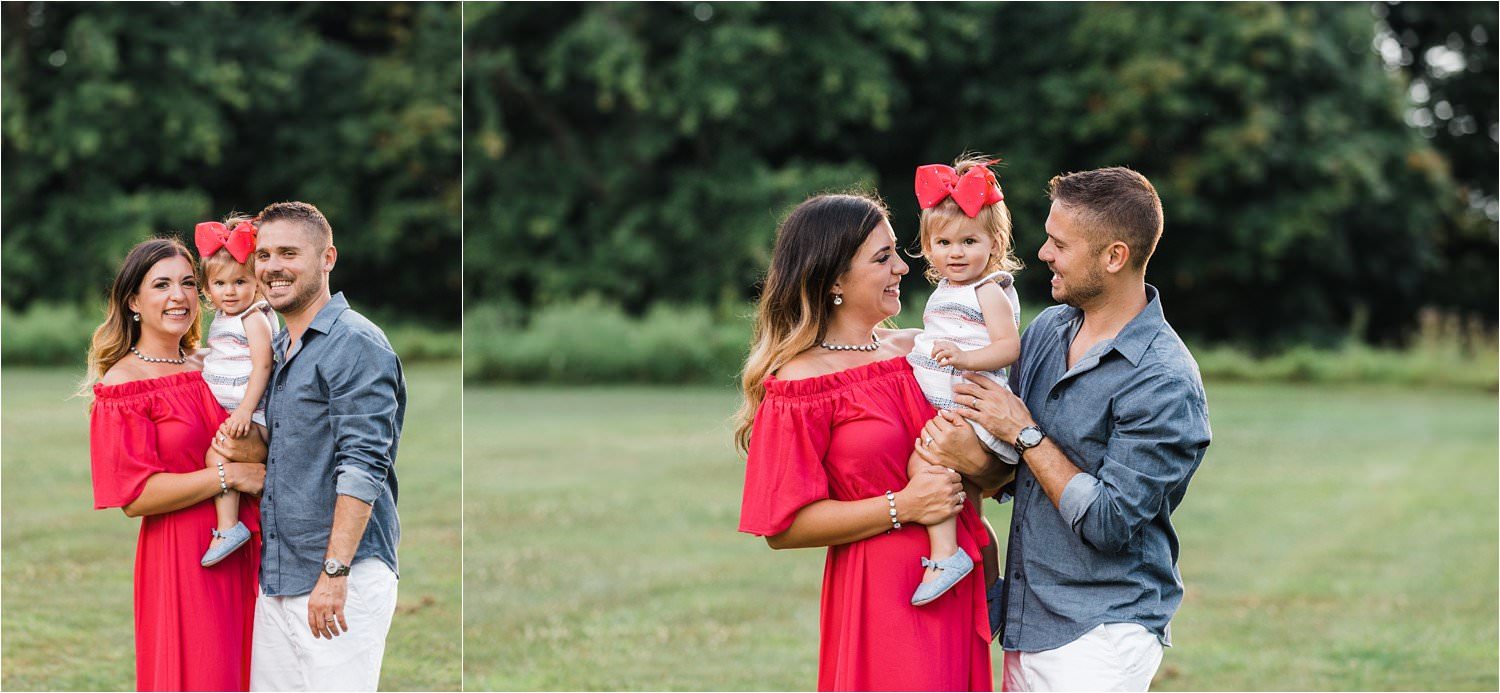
[(123, 121), (645, 151), (1450, 51)]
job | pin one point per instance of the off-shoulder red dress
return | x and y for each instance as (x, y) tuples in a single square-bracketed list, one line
[(192, 624), (847, 436)]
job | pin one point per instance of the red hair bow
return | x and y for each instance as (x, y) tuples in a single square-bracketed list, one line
[(210, 236), (975, 189)]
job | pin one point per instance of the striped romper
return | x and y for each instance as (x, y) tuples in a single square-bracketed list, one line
[(953, 314), (227, 367)]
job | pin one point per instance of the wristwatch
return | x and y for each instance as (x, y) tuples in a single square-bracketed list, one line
[(1028, 438), (333, 567)]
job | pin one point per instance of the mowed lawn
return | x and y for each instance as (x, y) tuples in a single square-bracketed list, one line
[(1335, 539), (66, 595)]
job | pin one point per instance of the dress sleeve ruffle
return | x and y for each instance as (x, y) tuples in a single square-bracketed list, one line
[(122, 449), (784, 472)]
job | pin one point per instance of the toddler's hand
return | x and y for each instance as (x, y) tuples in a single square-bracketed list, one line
[(947, 353), (238, 424)]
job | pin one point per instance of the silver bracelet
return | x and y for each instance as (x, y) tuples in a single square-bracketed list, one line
[(891, 499), (223, 487)]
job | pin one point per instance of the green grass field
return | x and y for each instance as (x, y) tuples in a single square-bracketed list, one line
[(66, 594), (1335, 539)]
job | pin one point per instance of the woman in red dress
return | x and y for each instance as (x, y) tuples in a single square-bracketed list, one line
[(151, 424), (830, 420)]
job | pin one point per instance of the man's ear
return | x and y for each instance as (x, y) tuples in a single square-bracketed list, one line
[(330, 258), (1117, 257)]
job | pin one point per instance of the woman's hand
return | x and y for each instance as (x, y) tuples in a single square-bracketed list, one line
[(248, 449), (934, 494), (245, 477), (948, 441)]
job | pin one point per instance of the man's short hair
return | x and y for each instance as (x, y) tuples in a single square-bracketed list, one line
[(1115, 204), (301, 213)]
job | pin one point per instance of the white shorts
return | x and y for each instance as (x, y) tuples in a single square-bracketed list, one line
[(285, 656), (1111, 657)]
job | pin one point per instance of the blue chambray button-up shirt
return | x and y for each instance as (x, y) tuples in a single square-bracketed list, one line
[(1131, 414), (335, 407)]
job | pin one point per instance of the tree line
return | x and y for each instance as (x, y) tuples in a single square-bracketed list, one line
[(644, 152), (123, 120)]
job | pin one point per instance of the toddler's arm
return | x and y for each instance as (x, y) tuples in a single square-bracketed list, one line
[(1005, 340), (258, 334)]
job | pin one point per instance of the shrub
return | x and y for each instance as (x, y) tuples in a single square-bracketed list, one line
[(591, 341), (48, 334), (59, 334)]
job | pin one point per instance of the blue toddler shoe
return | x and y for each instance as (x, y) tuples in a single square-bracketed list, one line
[(950, 571), (234, 538)]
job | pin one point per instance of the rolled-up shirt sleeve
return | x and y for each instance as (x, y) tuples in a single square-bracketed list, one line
[(1160, 434), (362, 403)]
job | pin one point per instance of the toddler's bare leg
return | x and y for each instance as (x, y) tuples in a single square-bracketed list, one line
[(942, 538), (227, 504)]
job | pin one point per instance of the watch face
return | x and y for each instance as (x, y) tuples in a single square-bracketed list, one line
[(330, 566), (1030, 436)]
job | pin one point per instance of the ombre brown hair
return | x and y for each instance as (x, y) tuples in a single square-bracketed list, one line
[(815, 245), (994, 219), (113, 339)]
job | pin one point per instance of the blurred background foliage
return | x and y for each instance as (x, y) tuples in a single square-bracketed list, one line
[(1327, 170), (124, 121)]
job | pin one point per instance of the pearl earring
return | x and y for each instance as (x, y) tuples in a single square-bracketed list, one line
[(838, 300), (135, 316)]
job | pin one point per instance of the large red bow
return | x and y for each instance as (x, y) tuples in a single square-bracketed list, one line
[(210, 236), (972, 191)]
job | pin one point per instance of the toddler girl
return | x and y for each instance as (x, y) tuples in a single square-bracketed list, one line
[(971, 322), (238, 365)]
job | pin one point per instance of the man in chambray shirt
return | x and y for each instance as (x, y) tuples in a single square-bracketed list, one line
[(334, 406), (1111, 421)]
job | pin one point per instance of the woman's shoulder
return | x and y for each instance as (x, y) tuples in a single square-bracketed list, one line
[(820, 376), (124, 371), (126, 378)]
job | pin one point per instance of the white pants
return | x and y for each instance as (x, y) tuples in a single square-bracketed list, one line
[(1111, 657), (285, 656)]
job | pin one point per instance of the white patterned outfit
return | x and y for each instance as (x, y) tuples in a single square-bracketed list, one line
[(953, 314), (227, 367)]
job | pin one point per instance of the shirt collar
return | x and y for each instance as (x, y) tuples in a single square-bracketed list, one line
[(1137, 334), (329, 313), (1134, 338)]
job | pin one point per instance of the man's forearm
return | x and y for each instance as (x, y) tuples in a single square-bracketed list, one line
[(990, 476), (1052, 469), (350, 516)]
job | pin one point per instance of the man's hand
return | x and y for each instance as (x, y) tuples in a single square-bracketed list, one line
[(990, 405), (325, 607)]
